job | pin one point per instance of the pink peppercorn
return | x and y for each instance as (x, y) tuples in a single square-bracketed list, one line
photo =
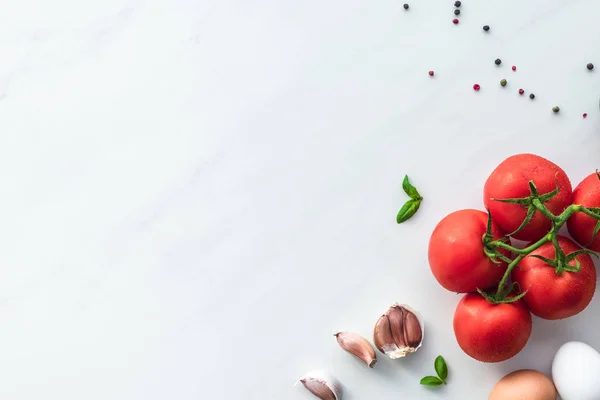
[(584, 115), (476, 87), (514, 68), (455, 21), (431, 73), (521, 91)]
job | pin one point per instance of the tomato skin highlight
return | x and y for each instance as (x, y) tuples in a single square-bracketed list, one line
[(511, 180), (581, 226), (456, 256), (491, 332), (552, 296)]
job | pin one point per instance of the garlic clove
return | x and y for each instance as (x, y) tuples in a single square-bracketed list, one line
[(382, 336), (398, 332), (358, 346), (397, 317), (414, 330), (322, 385)]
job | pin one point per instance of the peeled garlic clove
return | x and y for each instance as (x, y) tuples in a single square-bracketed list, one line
[(322, 385), (398, 332), (358, 346)]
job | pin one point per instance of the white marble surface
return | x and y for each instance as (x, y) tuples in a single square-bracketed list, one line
[(197, 194)]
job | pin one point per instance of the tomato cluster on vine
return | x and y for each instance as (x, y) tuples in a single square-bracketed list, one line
[(512, 261)]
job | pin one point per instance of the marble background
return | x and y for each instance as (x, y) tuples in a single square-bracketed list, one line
[(196, 194)]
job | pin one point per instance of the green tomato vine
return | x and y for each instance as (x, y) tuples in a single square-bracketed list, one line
[(561, 262)]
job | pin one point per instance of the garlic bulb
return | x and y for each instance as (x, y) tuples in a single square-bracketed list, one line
[(398, 332), (358, 346), (322, 385)]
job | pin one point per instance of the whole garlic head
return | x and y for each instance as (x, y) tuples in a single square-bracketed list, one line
[(398, 332), (322, 385)]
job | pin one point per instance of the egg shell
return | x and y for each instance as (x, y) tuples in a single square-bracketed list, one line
[(576, 372), (524, 384)]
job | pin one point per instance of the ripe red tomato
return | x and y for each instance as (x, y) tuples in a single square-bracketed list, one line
[(456, 254), (552, 296), (511, 180), (581, 226), (491, 332)]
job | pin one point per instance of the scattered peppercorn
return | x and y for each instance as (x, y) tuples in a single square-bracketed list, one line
[(456, 12), (457, 4), (514, 68), (521, 91), (476, 87), (486, 28), (555, 109), (455, 21), (406, 6), (532, 96), (584, 115), (503, 82), (498, 61), (431, 73), (590, 66)]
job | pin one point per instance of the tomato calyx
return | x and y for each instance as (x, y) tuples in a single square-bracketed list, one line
[(504, 296), (534, 202), (491, 247), (561, 261), (594, 213)]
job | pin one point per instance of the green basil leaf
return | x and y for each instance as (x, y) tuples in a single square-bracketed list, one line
[(441, 368), (431, 381), (408, 210), (410, 190)]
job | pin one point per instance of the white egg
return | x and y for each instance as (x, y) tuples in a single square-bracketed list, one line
[(576, 372)]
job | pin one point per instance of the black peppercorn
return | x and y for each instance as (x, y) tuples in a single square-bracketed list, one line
[(498, 61), (486, 28), (532, 96), (590, 66), (456, 12), (457, 4)]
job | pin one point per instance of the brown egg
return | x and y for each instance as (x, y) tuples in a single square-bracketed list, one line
[(524, 384)]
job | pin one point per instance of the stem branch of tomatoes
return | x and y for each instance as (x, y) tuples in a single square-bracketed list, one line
[(534, 202), (552, 276)]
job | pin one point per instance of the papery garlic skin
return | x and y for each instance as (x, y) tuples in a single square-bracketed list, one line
[(358, 346), (399, 331), (322, 385)]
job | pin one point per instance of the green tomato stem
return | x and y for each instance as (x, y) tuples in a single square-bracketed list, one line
[(502, 245), (544, 210), (589, 212), (522, 254), (560, 255), (557, 222)]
